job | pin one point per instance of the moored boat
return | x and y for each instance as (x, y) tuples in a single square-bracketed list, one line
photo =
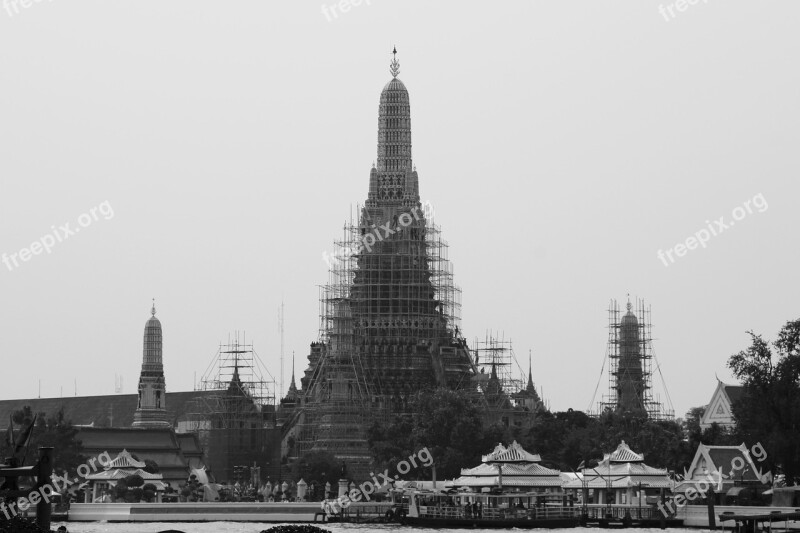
[(485, 510)]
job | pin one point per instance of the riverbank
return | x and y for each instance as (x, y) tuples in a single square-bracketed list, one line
[(211, 511)]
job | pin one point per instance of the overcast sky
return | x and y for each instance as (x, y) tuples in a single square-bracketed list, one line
[(561, 145)]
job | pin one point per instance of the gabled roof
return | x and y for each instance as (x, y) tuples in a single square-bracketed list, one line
[(124, 460), (720, 408), (623, 454), (732, 462), (513, 454)]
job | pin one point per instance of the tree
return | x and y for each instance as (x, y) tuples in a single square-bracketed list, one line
[(148, 492), (54, 430), (445, 422), (449, 425), (768, 410), (391, 442), (151, 467), (318, 468)]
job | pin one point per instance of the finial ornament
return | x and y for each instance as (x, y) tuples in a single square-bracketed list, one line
[(394, 68), (629, 306), (153, 310)]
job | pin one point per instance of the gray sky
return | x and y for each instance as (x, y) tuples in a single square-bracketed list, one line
[(561, 144)]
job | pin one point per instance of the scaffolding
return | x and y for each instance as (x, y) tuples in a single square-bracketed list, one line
[(234, 408), (406, 273), (237, 386), (496, 353), (389, 327), (631, 358), (398, 282)]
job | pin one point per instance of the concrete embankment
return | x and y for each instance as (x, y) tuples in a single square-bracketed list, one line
[(191, 512), (697, 515)]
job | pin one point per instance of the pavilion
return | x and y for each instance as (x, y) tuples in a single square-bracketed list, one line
[(122, 466), (512, 469), (622, 477)]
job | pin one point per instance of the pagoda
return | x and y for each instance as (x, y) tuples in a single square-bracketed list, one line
[(151, 410), (390, 311)]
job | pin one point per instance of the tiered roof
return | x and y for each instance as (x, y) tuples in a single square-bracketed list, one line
[(519, 469), (621, 469), (124, 465), (513, 454)]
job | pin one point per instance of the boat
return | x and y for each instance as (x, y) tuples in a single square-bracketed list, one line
[(524, 510)]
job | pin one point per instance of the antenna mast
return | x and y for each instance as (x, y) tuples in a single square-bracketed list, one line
[(280, 324)]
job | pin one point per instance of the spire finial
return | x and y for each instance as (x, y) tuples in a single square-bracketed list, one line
[(394, 67), (629, 306), (153, 310), (530, 372)]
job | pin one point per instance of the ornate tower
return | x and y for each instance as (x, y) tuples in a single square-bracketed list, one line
[(151, 410), (390, 310), (630, 379), (631, 359)]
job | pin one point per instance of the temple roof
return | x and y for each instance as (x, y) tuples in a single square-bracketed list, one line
[(518, 467), (122, 473), (620, 469), (394, 85), (513, 454), (124, 460), (511, 469), (623, 454)]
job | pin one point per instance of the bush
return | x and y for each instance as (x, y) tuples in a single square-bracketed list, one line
[(120, 489), (149, 492), (134, 481)]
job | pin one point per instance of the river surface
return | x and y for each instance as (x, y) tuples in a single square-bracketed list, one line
[(245, 527)]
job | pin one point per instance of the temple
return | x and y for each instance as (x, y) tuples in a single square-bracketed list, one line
[(630, 380), (151, 409), (390, 313), (631, 359)]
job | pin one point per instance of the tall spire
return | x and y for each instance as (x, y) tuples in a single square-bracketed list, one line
[(394, 67), (236, 378), (151, 409), (394, 140), (530, 374), (292, 385)]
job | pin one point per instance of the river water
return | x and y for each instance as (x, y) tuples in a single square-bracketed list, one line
[(245, 527)]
